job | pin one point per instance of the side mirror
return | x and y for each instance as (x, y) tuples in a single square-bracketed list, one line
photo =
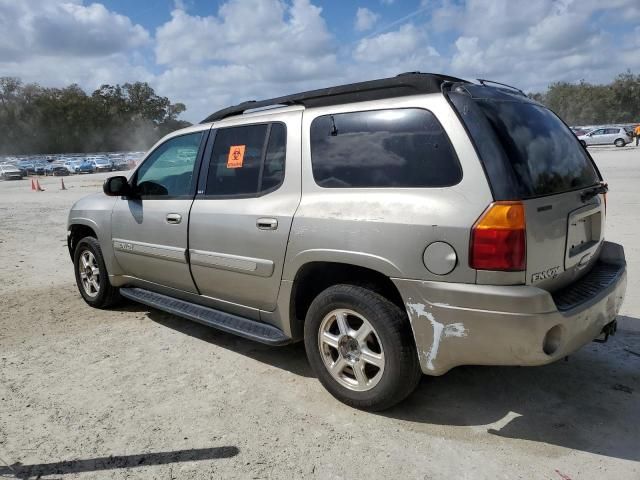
[(116, 186)]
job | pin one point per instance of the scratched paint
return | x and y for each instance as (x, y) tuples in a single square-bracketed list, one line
[(440, 331)]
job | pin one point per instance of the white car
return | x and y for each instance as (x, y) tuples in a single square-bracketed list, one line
[(72, 165), (10, 172), (617, 136)]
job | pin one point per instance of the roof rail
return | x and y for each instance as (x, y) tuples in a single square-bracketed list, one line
[(410, 83), (483, 81)]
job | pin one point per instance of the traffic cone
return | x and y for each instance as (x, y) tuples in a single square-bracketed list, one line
[(38, 187), (33, 184), (62, 182)]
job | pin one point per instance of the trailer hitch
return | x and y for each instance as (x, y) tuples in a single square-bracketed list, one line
[(608, 329)]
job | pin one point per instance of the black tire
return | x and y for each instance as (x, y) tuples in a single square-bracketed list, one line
[(107, 295), (401, 372), (619, 142)]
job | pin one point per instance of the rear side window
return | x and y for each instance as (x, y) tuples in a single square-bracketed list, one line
[(382, 148), (544, 154), (247, 160)]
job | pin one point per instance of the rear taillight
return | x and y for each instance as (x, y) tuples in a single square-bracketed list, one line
[(498, 238)]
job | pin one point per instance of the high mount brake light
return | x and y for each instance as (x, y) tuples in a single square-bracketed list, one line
[(498, 238)]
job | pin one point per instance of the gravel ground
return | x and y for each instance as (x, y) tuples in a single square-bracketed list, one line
[(136, 393)]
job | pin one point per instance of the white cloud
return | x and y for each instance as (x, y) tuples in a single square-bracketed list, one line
[(387, 46), (41, 27), (59, 43), (260, 48), (365, 19), (278, 46), (535, 43)]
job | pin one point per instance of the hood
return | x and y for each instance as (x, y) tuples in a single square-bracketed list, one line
[(86, 206)]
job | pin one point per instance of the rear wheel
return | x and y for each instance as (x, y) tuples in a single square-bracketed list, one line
[(619, 142), (91, 275), (361, 348)]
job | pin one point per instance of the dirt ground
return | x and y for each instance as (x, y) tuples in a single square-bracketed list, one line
[(136, 393)]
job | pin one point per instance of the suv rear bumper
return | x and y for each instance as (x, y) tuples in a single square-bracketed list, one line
[(467, 324)]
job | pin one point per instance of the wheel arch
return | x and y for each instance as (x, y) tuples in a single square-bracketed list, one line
[(77, 230), (314, 276)]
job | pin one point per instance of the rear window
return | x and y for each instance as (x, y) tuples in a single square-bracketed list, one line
[(382, 148), (545, 155)]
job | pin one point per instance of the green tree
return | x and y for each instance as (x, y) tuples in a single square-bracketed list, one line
[(56, 120)]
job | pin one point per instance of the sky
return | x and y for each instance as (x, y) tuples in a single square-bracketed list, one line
[(209, 54)]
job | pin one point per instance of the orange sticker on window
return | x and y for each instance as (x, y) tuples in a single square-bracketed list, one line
[(236, 156)]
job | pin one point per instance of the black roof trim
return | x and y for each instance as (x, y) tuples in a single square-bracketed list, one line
[(411, 83)]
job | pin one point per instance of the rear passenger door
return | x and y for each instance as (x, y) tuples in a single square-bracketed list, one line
[(240, 221), (612, 134)]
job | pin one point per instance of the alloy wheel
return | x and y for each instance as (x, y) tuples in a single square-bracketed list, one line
[(89, 273), (351, 350)]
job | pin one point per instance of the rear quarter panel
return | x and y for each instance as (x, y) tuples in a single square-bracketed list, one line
[(388, 229)]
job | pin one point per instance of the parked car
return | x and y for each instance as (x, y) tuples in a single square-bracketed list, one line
[(578, 132), (120, 165), (10, 172), (617, 136), (56, 169), (39, 167), (27, 167), (87, 166), (72, 165), (102, 165), (398, 227)]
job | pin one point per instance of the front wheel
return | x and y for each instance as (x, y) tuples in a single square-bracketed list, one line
[(619, 143), (91, 275), (361, 348), (584, 144)]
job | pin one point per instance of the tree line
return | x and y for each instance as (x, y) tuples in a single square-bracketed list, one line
[(35, 119), (584, 103)]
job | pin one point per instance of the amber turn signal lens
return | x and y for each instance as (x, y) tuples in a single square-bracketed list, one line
[(498, 239)]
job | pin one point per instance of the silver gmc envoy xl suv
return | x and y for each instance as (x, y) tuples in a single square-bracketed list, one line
[(398, 226)]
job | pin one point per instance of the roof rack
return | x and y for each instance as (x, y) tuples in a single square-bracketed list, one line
[(411, 83), (484, 81)]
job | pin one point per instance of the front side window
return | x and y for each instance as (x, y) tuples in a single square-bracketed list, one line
[(247, 160), (168, 172), (382, 148)]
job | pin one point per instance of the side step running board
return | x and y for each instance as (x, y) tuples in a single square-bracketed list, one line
[(243, 327)]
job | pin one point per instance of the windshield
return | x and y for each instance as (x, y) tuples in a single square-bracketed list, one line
[(543, 152)]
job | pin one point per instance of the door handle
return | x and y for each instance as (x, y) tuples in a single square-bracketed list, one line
[(174, 218), (267, 223)]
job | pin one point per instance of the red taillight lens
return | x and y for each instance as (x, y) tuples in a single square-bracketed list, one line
[(498, 238)]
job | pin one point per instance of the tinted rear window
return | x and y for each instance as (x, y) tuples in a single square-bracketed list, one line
[(545, 155), (382, 148)]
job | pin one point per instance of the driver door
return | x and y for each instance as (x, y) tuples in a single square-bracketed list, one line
[(598, 137), (149, 230)]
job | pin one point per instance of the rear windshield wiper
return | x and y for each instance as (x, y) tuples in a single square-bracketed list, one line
[(592, 192)]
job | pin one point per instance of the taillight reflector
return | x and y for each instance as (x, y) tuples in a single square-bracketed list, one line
[(498, 238)]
